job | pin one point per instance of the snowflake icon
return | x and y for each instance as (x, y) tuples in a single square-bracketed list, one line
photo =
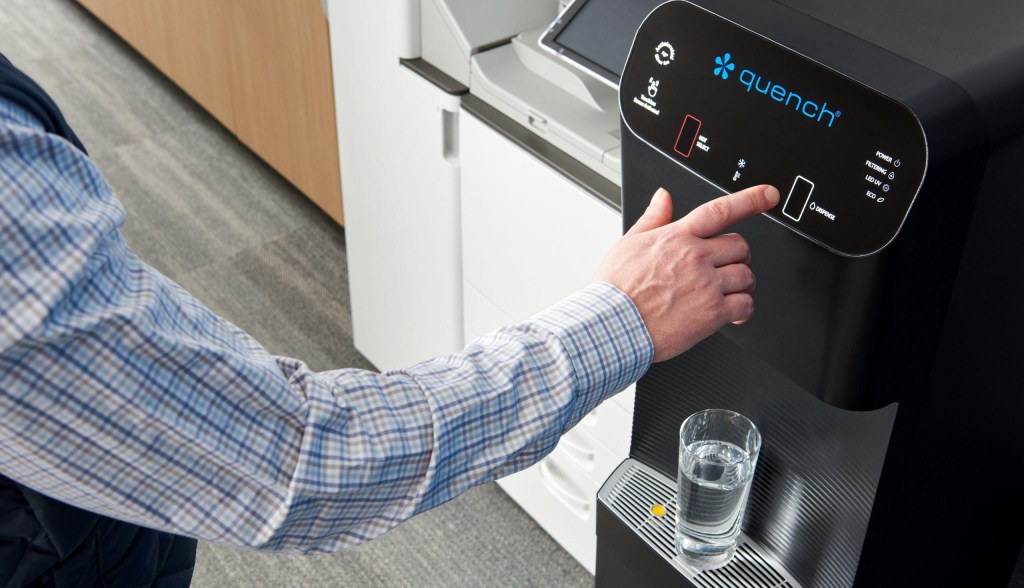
[(742, 163), (724, 66)]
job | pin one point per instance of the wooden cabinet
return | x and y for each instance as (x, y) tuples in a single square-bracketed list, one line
[(261, 67)]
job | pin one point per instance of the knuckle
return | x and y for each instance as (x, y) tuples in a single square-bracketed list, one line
[(755, 198), (694, 257), (719, 210), (740, 245), (743, 307)]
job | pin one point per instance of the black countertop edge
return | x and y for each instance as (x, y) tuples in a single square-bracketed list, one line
[(435, 76), (567, 165)]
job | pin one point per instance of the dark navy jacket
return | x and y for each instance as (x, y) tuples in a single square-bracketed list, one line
[(44, 542)]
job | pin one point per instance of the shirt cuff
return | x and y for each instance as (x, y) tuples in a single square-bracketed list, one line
[(606, 340)]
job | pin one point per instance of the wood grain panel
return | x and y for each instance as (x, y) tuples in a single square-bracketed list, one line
[(261, 67), (284, 97)]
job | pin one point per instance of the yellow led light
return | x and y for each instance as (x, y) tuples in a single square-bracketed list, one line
[(658, 510)]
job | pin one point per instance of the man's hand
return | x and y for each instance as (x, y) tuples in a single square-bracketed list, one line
[(686, 280)]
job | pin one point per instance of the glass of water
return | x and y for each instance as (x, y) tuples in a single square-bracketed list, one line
[(717, 453)]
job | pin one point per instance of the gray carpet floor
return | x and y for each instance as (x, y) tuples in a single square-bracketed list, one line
[(207, 212)]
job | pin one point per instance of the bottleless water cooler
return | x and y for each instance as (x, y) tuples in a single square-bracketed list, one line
[(882, 364)]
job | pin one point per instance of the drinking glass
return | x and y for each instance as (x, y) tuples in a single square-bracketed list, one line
[(718, 451)]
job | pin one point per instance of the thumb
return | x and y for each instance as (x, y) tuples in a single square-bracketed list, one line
[(658, 213)]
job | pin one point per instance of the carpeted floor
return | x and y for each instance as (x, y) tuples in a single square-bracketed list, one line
[(207, 212)]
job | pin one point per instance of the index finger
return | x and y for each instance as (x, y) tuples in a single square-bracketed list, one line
[(713, 217)]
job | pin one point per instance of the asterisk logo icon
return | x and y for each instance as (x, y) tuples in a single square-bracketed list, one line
[(724, 66)]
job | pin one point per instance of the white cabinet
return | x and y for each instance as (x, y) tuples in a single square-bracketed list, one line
[(397, 138), (453, 231), (530, 237)]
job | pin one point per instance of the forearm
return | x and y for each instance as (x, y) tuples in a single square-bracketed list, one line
[(427, 433), (519, 389)]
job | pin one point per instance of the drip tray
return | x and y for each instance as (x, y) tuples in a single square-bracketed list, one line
[(631, 492)]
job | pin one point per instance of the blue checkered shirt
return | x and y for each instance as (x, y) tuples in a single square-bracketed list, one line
[(122, 394)]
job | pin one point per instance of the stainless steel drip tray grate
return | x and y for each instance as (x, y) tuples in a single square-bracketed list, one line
[(631, 492)]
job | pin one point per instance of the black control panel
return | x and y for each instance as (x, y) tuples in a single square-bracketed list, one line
[(739, 109)]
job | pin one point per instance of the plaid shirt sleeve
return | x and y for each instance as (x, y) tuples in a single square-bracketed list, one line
[(122, 394)]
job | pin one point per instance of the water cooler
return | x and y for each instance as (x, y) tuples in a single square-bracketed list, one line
[(883, 361)]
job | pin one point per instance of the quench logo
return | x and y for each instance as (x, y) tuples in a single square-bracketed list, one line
[(755, 82), (723, 66)]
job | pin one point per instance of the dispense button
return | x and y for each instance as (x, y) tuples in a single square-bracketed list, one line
[(687, 135), (799, 196)]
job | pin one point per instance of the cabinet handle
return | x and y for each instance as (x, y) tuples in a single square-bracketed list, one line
[(450, 136), (563, 488), (578, 448)]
